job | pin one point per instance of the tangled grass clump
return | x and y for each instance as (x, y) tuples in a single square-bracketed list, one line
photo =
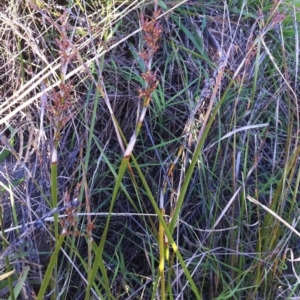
[(175, 125)]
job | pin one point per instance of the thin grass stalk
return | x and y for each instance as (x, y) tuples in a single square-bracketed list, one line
[(254, 89), (270, 229), (85, 167), (170, 261), (52, 264), (135, 184), (9, 279), (175, 212), (155, 288), (59, 115), (208, 119), (54, 204), (99, 251), (20, 50), (89, 221), (20, 284), (112, 169), (13, 205), (292, 97), (99, 90), (161, 244), (256, 69), (232, 235), (166, 230), (296, 190), (5, 243), (99, 64), (278, 202), (152, 33)]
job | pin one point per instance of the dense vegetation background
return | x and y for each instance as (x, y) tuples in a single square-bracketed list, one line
[(149, 149)]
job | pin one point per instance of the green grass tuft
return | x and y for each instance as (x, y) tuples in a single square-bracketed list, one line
[(175, 124)]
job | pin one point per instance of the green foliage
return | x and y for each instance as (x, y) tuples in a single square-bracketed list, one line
[(178, 134)]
